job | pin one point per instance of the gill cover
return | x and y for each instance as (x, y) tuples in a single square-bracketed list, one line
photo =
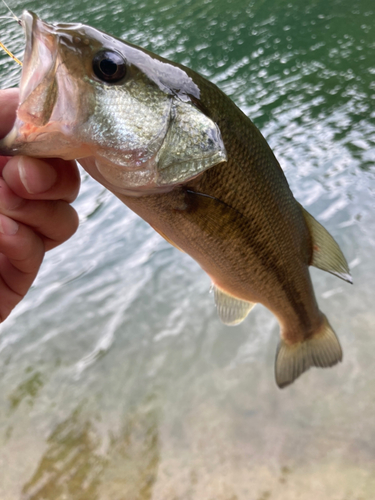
[(192, 144)]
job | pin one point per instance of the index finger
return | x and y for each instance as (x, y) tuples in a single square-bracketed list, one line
[(8, 106)]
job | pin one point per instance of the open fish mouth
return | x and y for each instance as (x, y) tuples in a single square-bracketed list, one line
[(47, 107), (38, 86), (140, 131)]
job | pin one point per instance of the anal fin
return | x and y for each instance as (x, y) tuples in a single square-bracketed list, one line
[(327, 254), (231, 310), (322, 349)]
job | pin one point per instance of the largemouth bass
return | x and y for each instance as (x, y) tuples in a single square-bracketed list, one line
[(183, 156)]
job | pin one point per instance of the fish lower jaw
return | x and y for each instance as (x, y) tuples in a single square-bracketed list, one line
[(42, 141)]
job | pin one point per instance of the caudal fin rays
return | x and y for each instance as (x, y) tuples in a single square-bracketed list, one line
[(322, 350)]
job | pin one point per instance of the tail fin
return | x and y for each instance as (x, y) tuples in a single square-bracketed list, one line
[(322, 349)]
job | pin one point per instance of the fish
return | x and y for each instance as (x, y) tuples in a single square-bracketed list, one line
[(179, 153)]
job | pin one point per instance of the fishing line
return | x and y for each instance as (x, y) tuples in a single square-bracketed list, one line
[(13, 14), (20, 23), (10, 54)]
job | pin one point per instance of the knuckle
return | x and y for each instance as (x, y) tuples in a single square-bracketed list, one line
[(65, 222)]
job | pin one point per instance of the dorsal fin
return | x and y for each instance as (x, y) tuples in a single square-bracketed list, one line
[(231, 310), (327, 255)]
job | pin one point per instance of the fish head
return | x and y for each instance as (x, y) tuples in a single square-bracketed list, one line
[(126, 114)]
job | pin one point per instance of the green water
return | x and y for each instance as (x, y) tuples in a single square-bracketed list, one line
[(117, 380)]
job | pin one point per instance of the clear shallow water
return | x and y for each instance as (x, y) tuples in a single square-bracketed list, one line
[(117, 380)]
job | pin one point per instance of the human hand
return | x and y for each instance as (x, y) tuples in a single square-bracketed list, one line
[(35, 211)]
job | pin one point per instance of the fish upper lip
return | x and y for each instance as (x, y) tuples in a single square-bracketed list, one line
[(39, 68), (28, 21), (28, 18)]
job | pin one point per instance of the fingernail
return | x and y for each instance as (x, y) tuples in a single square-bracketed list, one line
[(8, 226), (36, 175)]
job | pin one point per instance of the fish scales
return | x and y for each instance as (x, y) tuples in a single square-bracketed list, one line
[(183, 156), (273, 224)]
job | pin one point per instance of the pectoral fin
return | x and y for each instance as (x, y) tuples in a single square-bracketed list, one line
[(327, 255), (167, 239), (231, 310)]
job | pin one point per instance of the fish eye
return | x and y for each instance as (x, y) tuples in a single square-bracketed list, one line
[(109, 66)]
